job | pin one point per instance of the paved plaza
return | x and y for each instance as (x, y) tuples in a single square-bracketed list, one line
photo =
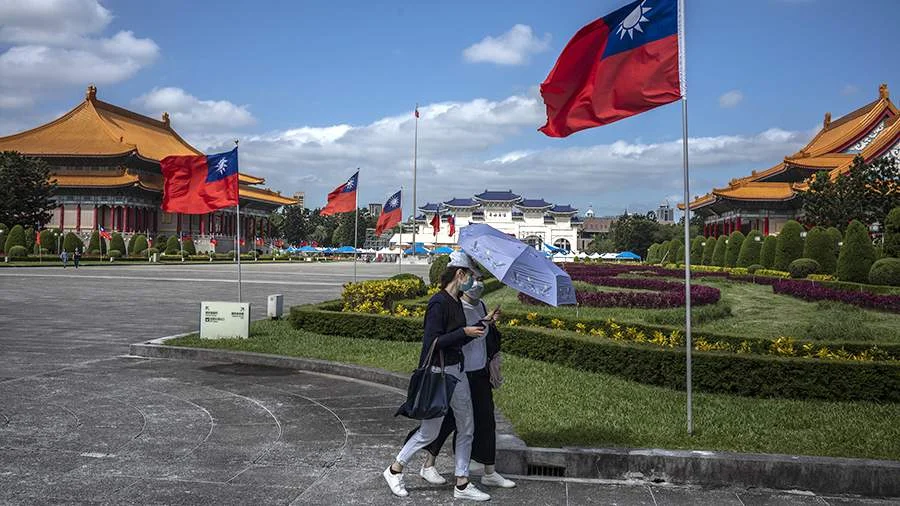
[(83, 423)]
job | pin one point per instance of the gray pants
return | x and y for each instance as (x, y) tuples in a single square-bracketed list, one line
[(461, 404)]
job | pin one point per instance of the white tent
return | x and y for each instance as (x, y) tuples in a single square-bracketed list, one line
[(609, 256), (594, 256), (581, 254)]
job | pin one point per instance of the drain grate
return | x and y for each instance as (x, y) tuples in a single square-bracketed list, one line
[(549, 471)]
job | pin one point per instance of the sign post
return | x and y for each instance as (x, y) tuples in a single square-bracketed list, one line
[(220, 320)]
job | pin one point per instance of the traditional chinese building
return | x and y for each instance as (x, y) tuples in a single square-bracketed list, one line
[(533, 221), (766, 199), (105, 162)]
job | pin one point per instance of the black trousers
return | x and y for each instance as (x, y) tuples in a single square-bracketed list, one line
[(484, 446)]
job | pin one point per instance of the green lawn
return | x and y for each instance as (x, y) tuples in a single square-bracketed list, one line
[(551, 405), (745, 309)]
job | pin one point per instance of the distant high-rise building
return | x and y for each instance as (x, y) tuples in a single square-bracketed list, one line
[(665, 213), (299, 197), (375, 210)]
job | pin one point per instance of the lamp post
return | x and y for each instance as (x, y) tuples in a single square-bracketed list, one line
[(5, 257), (875, 228)]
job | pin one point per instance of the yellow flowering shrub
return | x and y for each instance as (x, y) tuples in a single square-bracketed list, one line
[(377, 295)]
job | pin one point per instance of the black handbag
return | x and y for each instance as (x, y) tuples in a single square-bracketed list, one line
[(429, 390)]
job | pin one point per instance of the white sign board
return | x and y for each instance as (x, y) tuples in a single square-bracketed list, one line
[(224, 319)]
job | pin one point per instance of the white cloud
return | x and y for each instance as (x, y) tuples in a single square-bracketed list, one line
[(57, 43), (191, 114), (731, 99), (512, 48)]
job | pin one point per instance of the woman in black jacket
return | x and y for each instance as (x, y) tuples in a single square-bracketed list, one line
[(445, 324)]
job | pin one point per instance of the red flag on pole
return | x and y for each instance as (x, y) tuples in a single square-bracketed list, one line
[(37, 238), (436, 224), (451, 222), (391, 214), (199, 184), (618, 66), (417, 112), (342, 199)]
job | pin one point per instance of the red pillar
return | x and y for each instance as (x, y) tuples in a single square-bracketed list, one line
[(129, 214), (96, 217), (739, 224), (78, 217), (202, 225), (178, 225), (766, 226)]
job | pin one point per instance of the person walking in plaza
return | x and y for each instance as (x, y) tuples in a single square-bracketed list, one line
[(76, 256), (64, 256), (482, 366), (445, 326)]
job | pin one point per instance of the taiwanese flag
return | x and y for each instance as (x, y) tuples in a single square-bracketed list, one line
[(619, 65), (260, 241), (436, 224), (104, 234), (37, 238), (200, 184), (241, 242), (391, 214), (213, 241), (451, 223), (343, 198)]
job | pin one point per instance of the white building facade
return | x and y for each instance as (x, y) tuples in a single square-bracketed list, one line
[(533, 221)]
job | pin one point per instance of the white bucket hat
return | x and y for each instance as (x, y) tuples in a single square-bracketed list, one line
[(460, 259)]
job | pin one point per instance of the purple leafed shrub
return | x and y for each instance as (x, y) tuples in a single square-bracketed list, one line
[(808, 290)]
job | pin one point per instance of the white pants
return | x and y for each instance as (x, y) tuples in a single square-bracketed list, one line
[(461, 404)]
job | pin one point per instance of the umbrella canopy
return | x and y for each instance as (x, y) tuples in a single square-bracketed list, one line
[(517, 264), (420, 250), (627, 255), (443, 250), (609, 256), (594, 256), (307, 249), (345, 250)]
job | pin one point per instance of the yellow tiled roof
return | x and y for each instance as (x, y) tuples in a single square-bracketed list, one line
[(107, 179), (758, 191), (265, 196), (247, 178)]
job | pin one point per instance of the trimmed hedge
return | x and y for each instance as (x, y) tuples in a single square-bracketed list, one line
[(696, 250), (820, 247), (767, 253), (438, 264), (892, 233), (48, 240), (188, 246), (812, 290), (16, 237), (71, 242), (173, 247), (737, 374), (114, 253), (803, 267), (96, 243), (116, 243), (17, 252), (885, 272), (735, 241), (709, 250), (789, 246), (750, 249), (138, 244), (857, 254), (719, 252)]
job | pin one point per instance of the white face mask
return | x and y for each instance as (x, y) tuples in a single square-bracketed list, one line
[(476, 290)]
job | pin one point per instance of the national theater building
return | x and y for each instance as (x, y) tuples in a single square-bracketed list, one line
[(533, 221), (105, 162), (766, 199)]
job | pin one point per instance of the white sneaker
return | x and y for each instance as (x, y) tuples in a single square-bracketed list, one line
[(395, 481), (431, 475), (496, 480), (471, 493)]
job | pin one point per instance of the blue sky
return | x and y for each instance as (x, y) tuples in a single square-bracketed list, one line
[(315, 89)]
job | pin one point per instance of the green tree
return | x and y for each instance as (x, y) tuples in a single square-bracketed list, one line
[(767, 253), (718, 257), (635, 233), (131, 244), (735, 241), (173, 247), (652, 253), (789, 246), (48, 240), (892, 233), (15, 237), (139, 245), (30, 238), (297, 224), (750, 249), (187, 244), (599, 245), (857, 254), (26, 194), (117, 243), (96, 243), (708, 250), (820, 247), (836, 238), (697, 250), (867, 193), (71, 242)]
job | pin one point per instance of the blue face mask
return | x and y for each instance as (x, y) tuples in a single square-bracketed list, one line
[(465, 287)]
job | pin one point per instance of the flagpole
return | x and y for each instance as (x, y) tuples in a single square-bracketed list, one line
[(415, 157), (237, 230), (356, 227), (682, 78), (400, 242)]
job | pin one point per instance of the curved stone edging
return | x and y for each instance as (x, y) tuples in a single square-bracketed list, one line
[(875, 478)]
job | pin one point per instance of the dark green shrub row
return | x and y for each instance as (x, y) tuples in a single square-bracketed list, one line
[(885, 272), (803, 267), (747, 375), (438, 264)]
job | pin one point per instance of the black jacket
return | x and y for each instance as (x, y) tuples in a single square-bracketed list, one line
[(444, 322)]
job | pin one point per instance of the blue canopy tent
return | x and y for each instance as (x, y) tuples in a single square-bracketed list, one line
[(627, 255), (420, 250), (443, 250), (307, 249), (345, 250)]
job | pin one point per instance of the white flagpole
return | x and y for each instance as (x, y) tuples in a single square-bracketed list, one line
[(682, 75), (356, 227), (415, 157), (400, 242), (237, 230)]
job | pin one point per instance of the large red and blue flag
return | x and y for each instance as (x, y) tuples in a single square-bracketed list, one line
[(104, 234), (620, 65), (199, 184), (343, 198), (391, 214)]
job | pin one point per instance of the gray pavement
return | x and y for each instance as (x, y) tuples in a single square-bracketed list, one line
[(81, 423)]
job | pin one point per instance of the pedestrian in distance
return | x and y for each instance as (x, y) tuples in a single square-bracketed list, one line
[(482, 365), (446, 329), (64, 256), (76, 256)]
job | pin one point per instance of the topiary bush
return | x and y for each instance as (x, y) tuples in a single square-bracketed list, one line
[(15, 238), (679, 254), (750, 249), (708, 250), (652, 253), (17, 252), (138, 244), (752, 268), (767, 253), (30, 236), (150, 252), (114, 253), (836, 238), (697, 250), (117, 243), (96, 245), (161, 242), (438, 264), (885, 272), (188, 245), (131, 240), (802, 267), (857, 254), (820, 247), (735, 241), (48, 240), (892, 233), (789, 246), (71, 242), (173, 247), (718, 257)]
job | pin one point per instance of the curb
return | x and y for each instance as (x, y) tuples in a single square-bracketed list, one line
[(821, 475)]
